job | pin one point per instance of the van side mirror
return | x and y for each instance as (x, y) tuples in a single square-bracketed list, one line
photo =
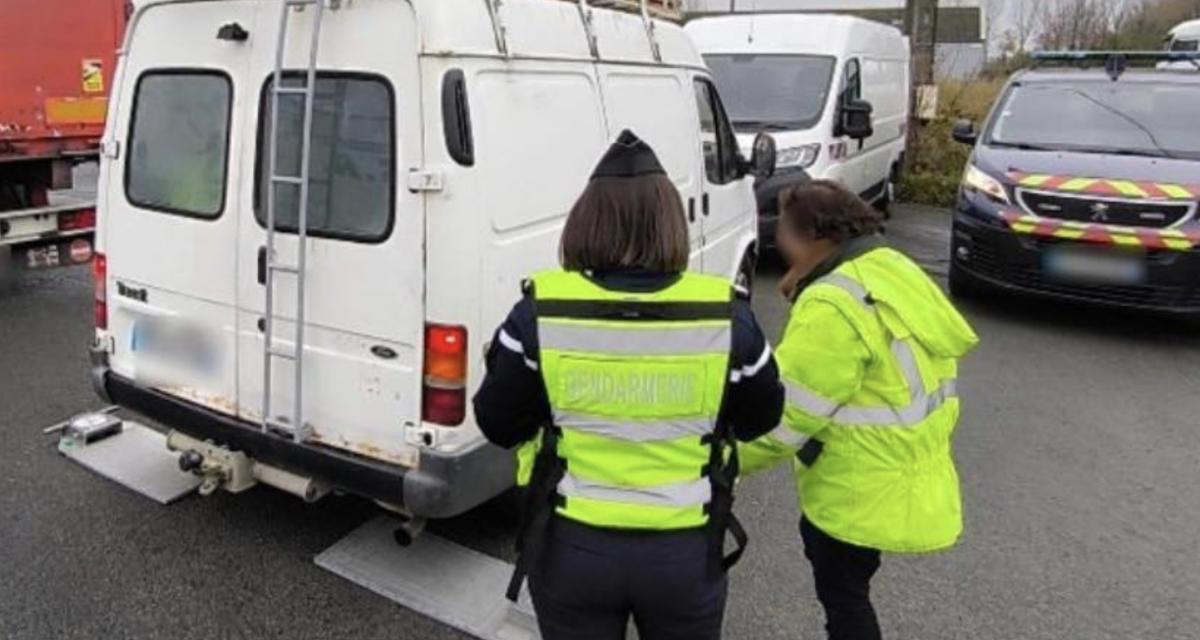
[(856, 121), (964, 132), (762, 162)]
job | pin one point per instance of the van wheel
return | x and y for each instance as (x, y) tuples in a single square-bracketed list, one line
[(745, 274), (884, 203)]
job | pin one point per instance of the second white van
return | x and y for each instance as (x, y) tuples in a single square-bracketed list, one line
[(833, 91), (447, 141)]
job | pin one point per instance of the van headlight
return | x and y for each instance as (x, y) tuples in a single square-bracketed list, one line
[(976, 180), (801, 157)]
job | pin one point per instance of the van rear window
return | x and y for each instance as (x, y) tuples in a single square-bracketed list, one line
[(352, 161), (179, 142)]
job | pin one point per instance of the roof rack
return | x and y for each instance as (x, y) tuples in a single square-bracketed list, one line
[(665, 9), (649, 10), (1115, 62)]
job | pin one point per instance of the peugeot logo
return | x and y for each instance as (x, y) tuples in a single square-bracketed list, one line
[(1100, 212)]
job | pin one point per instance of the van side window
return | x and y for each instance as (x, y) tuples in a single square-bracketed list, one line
[(456, 118), (179, 143), (352, 158), (720, 144)]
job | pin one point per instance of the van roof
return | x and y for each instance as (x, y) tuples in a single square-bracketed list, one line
[(813, 33), (550, 29), (1187, 29)]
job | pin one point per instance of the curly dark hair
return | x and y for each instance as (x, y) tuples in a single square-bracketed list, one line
[(825, 209)]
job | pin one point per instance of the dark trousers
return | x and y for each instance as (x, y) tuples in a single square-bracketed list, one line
[(842, 573), (590, 582)]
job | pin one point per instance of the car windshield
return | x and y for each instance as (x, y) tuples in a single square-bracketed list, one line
[(772, 91), (1185, 45), (1134, 118)]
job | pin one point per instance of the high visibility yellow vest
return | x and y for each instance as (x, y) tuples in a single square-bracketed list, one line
[(884, 410), (635, 383)]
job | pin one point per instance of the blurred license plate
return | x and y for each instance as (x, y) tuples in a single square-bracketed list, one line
[(1095, 267), (174, 347)]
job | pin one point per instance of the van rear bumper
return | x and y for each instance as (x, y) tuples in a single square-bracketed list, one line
[(441, 486)]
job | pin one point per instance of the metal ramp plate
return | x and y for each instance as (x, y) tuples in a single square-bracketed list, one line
[(138, 458), (435, 577)]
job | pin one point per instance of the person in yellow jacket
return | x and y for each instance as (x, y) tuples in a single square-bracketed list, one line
[(869, 361)]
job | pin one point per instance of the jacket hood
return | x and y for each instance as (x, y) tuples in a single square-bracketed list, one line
[(911, 304)]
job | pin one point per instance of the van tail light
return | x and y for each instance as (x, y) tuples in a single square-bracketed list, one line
[(99, 283), (444, 395), (77, 220)]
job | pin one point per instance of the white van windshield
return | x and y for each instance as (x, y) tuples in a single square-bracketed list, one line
[(773, 91), (1108, 117), (1185, 45)]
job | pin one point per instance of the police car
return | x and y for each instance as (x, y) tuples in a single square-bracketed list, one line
[(1084, 184)]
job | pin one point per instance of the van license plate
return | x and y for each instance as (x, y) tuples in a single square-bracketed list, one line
[(1092, 267)]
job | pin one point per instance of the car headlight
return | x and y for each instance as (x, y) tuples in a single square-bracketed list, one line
[(976, 180), (803, 156)]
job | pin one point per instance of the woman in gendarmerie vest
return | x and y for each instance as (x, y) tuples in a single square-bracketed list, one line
[(869, 360), (625, 381)]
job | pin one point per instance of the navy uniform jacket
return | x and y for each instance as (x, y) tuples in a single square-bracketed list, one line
[(511, 406)]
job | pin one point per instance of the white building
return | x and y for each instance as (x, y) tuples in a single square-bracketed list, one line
[(962, 24)]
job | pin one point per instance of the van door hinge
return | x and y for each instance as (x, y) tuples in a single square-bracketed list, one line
[(421, 180), (110, 149)]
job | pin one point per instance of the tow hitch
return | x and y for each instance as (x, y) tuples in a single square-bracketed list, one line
[(235, 472)]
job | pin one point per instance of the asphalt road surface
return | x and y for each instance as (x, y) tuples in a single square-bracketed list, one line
[(1079, 451)]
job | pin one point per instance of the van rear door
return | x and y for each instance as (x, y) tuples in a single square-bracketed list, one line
[(170, 215), (364, 281)]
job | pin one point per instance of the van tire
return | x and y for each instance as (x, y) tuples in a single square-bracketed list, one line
[(884, 203), (745, 274)]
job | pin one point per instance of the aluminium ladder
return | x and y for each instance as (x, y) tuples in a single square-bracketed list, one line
[(295, 425)]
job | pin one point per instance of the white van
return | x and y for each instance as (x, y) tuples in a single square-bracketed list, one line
[(449, 140), (1184, 37), (833, 91)]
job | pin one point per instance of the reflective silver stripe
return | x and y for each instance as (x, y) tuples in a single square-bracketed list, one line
[(514, 345), (803, 398), (847, 284), (908, 366), (511, 343), (788, 436), (636, 431), (633, 340), (921, 407), (750, 371), (688, 494)]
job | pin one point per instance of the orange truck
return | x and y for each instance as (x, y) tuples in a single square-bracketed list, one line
[(57, 60)]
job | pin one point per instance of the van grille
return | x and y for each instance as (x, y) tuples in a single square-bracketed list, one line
[(1129, 213)]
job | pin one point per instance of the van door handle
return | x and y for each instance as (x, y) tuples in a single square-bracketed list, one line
[(691, 209), (262, 265), (705, 206)]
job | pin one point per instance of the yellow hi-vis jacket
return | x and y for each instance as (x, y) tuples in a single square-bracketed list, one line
[(869, 360), (635, 382)]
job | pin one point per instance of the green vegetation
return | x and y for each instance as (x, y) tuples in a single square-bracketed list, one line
[(936, 161)]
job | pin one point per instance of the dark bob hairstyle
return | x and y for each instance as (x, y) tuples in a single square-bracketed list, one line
[(627, 223)]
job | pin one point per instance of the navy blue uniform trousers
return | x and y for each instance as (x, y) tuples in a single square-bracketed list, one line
[(589, 582)]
